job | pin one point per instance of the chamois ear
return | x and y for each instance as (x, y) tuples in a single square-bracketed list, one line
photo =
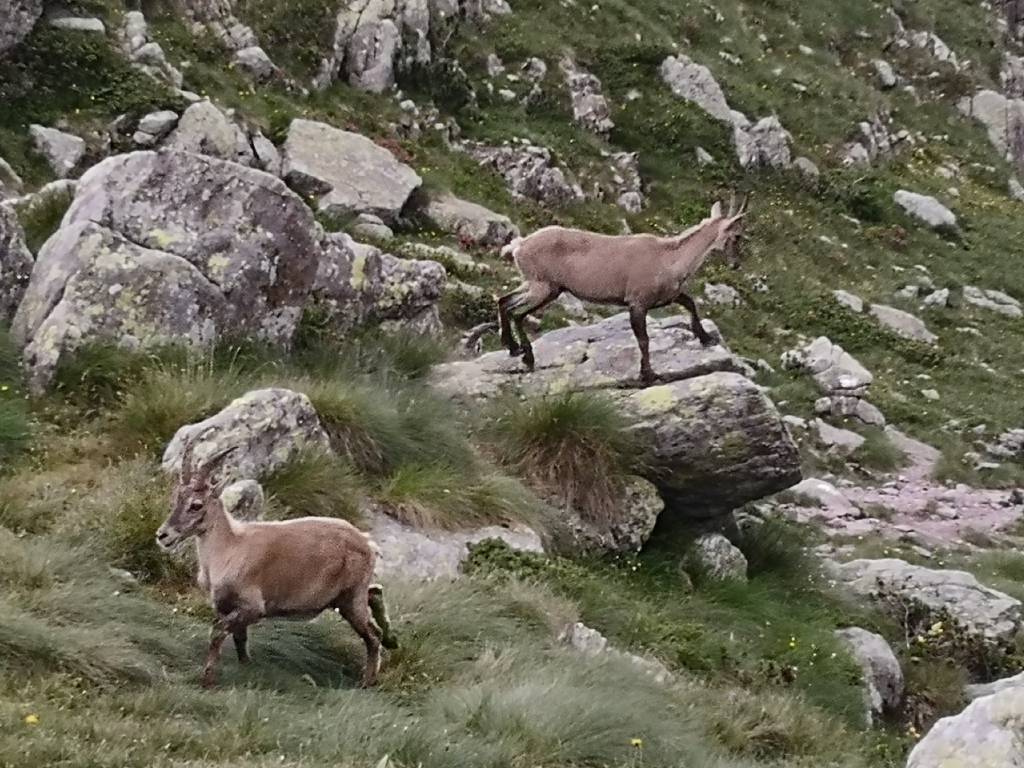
[(716, 210)]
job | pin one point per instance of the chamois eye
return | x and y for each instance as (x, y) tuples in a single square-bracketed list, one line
[(195, 504)]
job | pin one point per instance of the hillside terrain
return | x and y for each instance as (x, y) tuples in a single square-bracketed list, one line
[(276, 228)]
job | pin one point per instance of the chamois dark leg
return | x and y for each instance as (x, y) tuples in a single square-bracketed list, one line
[(233, 617), (354, 608), (218, 634), (698, 329), (504, 304), (638, 321), (538, 297), (241, 637)]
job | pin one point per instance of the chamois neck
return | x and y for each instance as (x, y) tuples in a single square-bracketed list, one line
[(220, 528), (688, 250)]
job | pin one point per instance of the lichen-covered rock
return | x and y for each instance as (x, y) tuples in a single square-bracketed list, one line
[(242, 248), (144, 53), (903, 323), (985, 613), (357, 284), (15, 264), (997, 301), (471, 222), (883, 677), (925, 208), (347, 172), (267, 428), (17, 17), (63, 151), (630, 527), (717, 439), (987, 734), (530, 172), (205, 130), (427, 555), (718, 559), (97, 285), (763, 144)]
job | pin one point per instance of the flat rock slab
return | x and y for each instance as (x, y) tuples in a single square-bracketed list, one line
[(986, 613), (347, 172), (903, 323), (987, 734)]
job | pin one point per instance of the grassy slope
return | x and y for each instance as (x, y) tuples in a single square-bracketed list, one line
[(480, 680)]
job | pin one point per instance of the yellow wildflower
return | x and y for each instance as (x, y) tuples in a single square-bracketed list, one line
[(638, 743), (32, 719)]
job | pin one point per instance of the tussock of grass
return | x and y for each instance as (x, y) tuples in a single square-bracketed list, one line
[(878, 451), (42, 217), (775, 547), (576, 445), (315, 484)]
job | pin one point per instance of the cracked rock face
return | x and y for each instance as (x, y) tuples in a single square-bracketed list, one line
[(164, 247), (17, 17), (530, 172), (15, 264), (717, 439)]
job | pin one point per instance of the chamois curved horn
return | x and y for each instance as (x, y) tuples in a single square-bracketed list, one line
[(215, 461), (185, 470), (732, 205)]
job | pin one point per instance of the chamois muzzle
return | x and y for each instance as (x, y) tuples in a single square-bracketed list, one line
[(167, 538)]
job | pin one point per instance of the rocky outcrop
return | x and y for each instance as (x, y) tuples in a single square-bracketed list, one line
[(15, 264), (471, 222), (629, 529), (982, 612), (841, 378), (267, 428), (1003, 119), (254, 62), (590, 642), (763, 143), (903, 324), (346, 172), (529, 172), (996, 301), (205, 130), (153, 127), (17, 17), (925, 208), (217, 17), (169, 246), (883, 677), (589, 107), (63, 151), (716, 438), (10, 181), (985, 735), (874, 139), (145, 53), (357, 284)]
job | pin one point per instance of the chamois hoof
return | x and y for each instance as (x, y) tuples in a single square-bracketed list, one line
[(515, 352), (649, 378), (208, 682), (708, 341), (528, 361)]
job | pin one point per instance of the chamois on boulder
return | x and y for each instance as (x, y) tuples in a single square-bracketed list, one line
[(290, 569), (640, 272)]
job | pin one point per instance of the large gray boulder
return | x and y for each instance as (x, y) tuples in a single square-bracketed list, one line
[(883, 677), (1003, 119), (345, 171), (984, 613), (267, 428), (205, 130), (997, 301), (358, 284), (17, 17), (471, 222), (987, 734), (227, 249), (15, 264), (903, 323), (718, 440)]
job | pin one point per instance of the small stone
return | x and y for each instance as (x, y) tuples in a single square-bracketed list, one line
[(76, 24), (718, 559), (255, 63), (1016, 189), (930, 394), (926, 209), (883, 677), (903, 323), (938, 298), (495, 66), (806, 168), (722, 294), (908, 292), (158, 124), (842, 440), (372, 227), (885, 73), (63, 151), (704, 157), (849, 300)]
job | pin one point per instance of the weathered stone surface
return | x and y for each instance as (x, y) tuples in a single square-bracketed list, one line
[(883, 678), (471, 222), (983, 612), (267, 156), (822, 494), (985, 735), (721, 293), (884, 72), (244, 500), (267, 428), (849, 300), (63, 151), (205, 130), (873, 139), (10, 181), (1003, 119), (15, 264), (763, 144), (17, 17), (370, 227), (979, 690), (243, 248), (834, 370), (427, 555), (631, 526), (903, 323), (79, 24), (590, 642), (530, 172), (589, 107), (718, 559), (91, 283), (807, 168), (255, 63), (843, 441), (939, 298), (146, 54), (925, 208), (718, 438), (997, 301), (158, 124), (358, 284), (346, 171)]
